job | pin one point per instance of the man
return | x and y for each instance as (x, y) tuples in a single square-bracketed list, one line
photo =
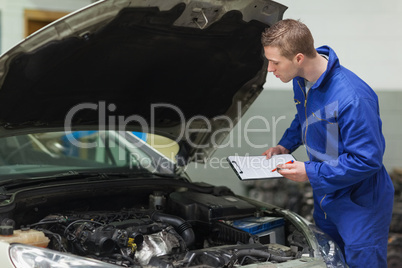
[(338, 122)]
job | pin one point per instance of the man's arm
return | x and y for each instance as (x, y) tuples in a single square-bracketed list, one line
[(289, 142), (292, 138), (360, 131)]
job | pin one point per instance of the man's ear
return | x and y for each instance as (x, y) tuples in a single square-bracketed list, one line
[(299, 58)]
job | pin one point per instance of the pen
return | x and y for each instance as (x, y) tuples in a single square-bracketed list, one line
[(291, 161)]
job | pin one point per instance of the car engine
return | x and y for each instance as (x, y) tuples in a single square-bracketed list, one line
[(176, 229)]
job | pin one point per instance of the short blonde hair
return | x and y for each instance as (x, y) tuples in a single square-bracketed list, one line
[(291, 37)]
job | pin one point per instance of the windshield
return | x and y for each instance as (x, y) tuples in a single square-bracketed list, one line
[(97, 151)]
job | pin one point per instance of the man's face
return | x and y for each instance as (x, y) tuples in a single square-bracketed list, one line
[(281, 67)]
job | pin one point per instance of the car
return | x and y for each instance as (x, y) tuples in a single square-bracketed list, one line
[(101, 111)]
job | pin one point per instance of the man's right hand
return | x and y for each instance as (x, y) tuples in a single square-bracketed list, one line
[(279, 149)]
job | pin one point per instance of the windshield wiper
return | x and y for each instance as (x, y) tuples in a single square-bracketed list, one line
[(109, 175), (26, 181), (80, 175)]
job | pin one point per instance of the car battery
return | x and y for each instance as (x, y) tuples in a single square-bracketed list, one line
[(268, 229)]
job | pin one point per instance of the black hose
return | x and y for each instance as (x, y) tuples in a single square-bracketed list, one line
[(259, 254), (252, 252), (182, 227), (280, 258)]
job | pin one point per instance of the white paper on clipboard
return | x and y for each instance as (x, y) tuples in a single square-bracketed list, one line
[(258, 167)]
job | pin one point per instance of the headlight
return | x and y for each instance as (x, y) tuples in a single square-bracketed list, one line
[(24, 256), (329, 250)]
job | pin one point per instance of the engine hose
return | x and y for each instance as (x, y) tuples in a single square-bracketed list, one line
[(252, 252), (247, 252), (280, 258), (261, 254), (79, 247), (182, 227)]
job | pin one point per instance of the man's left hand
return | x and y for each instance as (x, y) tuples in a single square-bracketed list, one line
[(295, 171)]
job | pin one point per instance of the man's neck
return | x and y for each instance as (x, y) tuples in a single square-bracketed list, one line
[(314, 67)]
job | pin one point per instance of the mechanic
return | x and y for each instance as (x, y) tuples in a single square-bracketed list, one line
[(338, 122)]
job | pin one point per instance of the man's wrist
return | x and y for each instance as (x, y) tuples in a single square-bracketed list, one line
[(283, 149)]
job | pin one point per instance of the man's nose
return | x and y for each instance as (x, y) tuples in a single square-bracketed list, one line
[(270, 67)]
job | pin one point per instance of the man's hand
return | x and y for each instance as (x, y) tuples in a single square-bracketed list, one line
[(279, 149), (295, 171)]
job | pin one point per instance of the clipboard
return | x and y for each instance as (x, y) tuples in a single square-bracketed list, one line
[(258, 167)]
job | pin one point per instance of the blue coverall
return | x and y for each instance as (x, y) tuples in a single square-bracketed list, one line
[(338, 122)]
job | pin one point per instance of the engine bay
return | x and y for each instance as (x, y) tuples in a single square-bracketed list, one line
[(180, 228)]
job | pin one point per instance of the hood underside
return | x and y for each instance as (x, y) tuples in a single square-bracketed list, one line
[(139, 66)]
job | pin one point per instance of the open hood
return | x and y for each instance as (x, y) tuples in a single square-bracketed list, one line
[(187, 70)]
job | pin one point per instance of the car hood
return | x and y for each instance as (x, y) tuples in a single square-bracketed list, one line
[(187, 70)]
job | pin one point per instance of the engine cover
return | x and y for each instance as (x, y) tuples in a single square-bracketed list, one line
[(207, 207)]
